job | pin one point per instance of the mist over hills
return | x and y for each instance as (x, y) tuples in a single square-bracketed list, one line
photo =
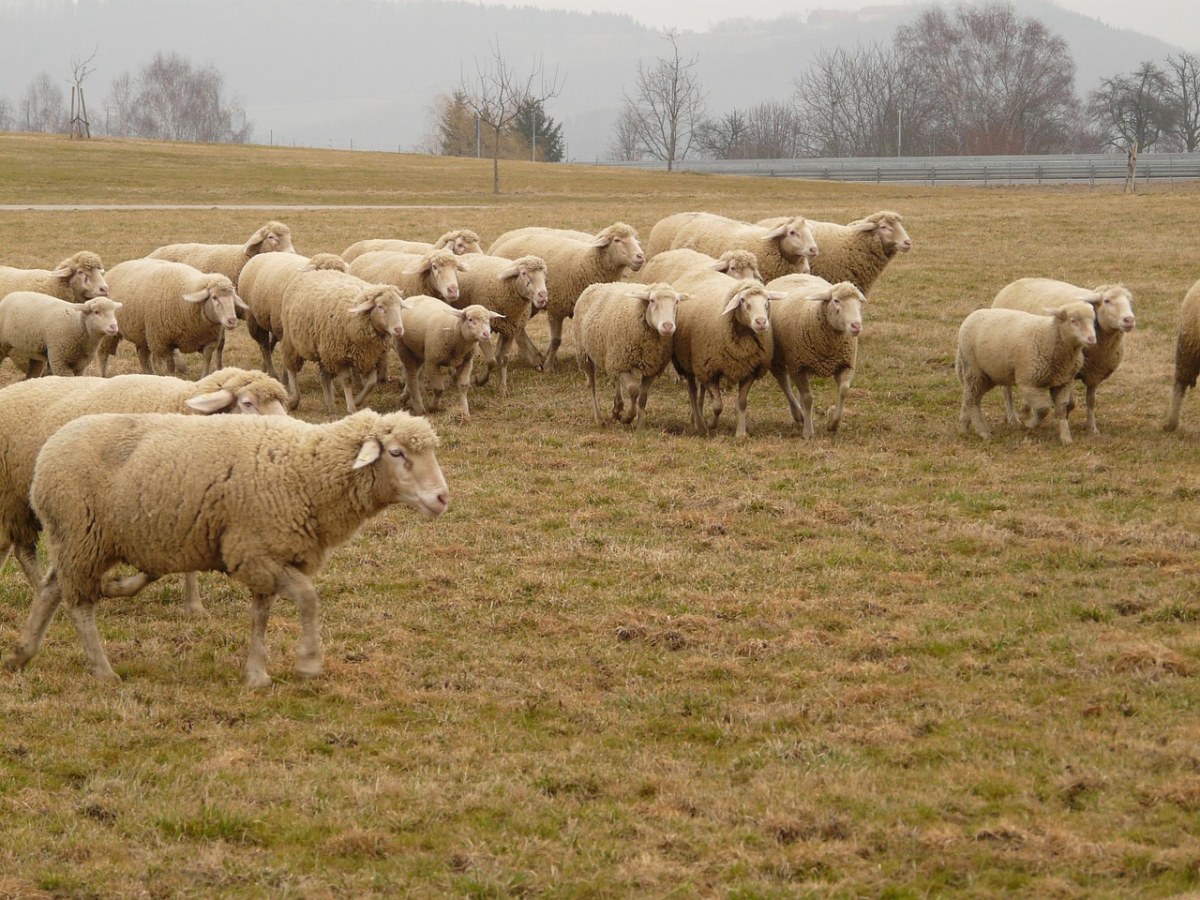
[(364, 73)]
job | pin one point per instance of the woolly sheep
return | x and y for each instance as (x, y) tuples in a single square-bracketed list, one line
[(264, 500), (38, 329), (786, 249), (77, 278), (572, 263), (434, 273), (343, 324), (511, 287), (1114, 319), (437, 336), (672, 264), (1187, 354), (1030, 351), (627, 331), (857, 252), (31, 411), (261, 287), (816, 327), (723, 333), (167, 307), (461, 242)]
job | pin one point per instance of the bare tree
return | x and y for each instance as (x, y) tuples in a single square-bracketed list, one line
[(6, 114), (668, 105), (42, 106), (498, 97), (118, 108), (80, 127), (1184, 93), (1133, 111), (769, 130), (626, 144)]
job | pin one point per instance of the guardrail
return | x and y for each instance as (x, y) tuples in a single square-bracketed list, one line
[(1089, 168)]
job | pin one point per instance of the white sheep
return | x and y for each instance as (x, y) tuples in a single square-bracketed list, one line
[(39, 330), (672, 264), (343, 324), (857, 252), (1033, 352), (626, 331), (1187, 355), (168, 307), (1114, 319), (816, 327), (261, 286), (31, 411), (723, 333), (264, 500), (785, 249), (437, 336), (77, 278), (512, 287), (434, 273), (572, 263), (460, 241)]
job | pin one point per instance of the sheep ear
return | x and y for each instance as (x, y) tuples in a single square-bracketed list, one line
[(776, 295), (254, 245), (461, 266), (457, 313), (365, 307), (196, 296), (371, 450), (721, 265), (733, 303), (1057, 311), (418, 268), (643, 295), (863, 225), (776, 233), (679, 298), (510, 272), (1093, 298), (117, 304), (239, 302), (211, 403), (492, 314), (407, 303), (63, 272)]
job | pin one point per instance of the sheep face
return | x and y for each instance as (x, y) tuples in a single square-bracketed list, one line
[(531, 280), (476, 325), (796, 241), (440, 270), (1076, 322), (382, 304), (273, 237), (621, 246), (662, 304), (465, 242), (888, 229), (843, 309), (751, 306), (220, 303), (406, 471), (85, 281), (322, 262), (1114, 308), (740, 264), (100, 315), (247, 402)]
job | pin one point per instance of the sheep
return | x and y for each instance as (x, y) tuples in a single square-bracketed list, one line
[(77, 278), (437, 335), (785, 249), (434, 273), (264, 500), (626, 331), (43, 330), (1187, 355), (723, 332), (857, 252), (572, 263), (1114, 319), (31, 411), (169, 306), (816, 327), (461, 242), (1030, 351), (344, 325), (672, 264), (511, 287), (261, 286)]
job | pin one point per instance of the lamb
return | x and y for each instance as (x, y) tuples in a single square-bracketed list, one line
[(816, 327), (723, 332), (434, 273), (31, 411), (511, 287), (168, 307), (1031, 351), (261, 285), (626, 331), (571, 265), (264, 500), (1114, 319), (857, 252), (460, 242), (42, 330), (344, 325), (1187, 354), (672, 264), (77, 278), (437, 335), (785, 249)]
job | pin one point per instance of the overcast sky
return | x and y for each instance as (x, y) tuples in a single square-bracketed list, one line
[(1174, 21)]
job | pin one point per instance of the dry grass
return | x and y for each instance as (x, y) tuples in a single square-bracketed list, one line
[(896, 662)]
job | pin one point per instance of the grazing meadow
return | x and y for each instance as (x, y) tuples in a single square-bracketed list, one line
[(891, 662)]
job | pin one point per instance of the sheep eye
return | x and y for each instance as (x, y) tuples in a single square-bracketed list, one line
[(397, 452)]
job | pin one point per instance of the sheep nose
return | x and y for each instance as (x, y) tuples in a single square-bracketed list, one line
[(102, 291), (112, 328), (761, 323), (540, 301), (812, 252), (397, 330), (906, 246), (855, 327), (667, 327), (452, 292), (1128, 322), (230, 322)]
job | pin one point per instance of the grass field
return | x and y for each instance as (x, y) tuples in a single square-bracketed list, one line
[(895, 662)]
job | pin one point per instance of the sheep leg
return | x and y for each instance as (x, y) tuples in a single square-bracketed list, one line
[(129, 586), (781, 377), (412, 384), (696, 400), (1010, 410), (1090, 399), (556, 329), (26, 557), (33, 368), (464, 384), (256, 652), (971, 414), (107, 347), (804, 388), (529, 350), (743, 398), (346, 381), (1035, 407), (483, 371), (218, 351), (179, 365), (293, 387), (1173, 411), (143, 355), (589, 369), (628, 385), (41, 612), (833, 416), (83, 614), (718, 404), (1059, 396), (642, 396), (296, 586), (437, 387), (502, 352), (327, 391), (368, 385)]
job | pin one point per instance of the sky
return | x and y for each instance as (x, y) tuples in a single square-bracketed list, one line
[(1174, 21)]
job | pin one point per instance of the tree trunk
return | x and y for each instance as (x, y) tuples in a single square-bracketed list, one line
[(496, 164), (1131, 171)]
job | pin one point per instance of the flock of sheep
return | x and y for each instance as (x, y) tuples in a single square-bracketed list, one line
[(114, 474)]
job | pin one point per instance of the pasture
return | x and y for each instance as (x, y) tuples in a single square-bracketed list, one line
[(892, 662)]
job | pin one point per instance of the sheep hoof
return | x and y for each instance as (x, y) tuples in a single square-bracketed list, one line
[(256, 681), (105, 674), (309, 668)]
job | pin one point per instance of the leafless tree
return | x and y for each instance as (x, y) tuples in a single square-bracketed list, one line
[(626, 144), (80, 127), (1133, 111), (42, 106), (1184, 93), (768, 130), (118, 108), (667, 104), (6, 114), (497, 96)]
